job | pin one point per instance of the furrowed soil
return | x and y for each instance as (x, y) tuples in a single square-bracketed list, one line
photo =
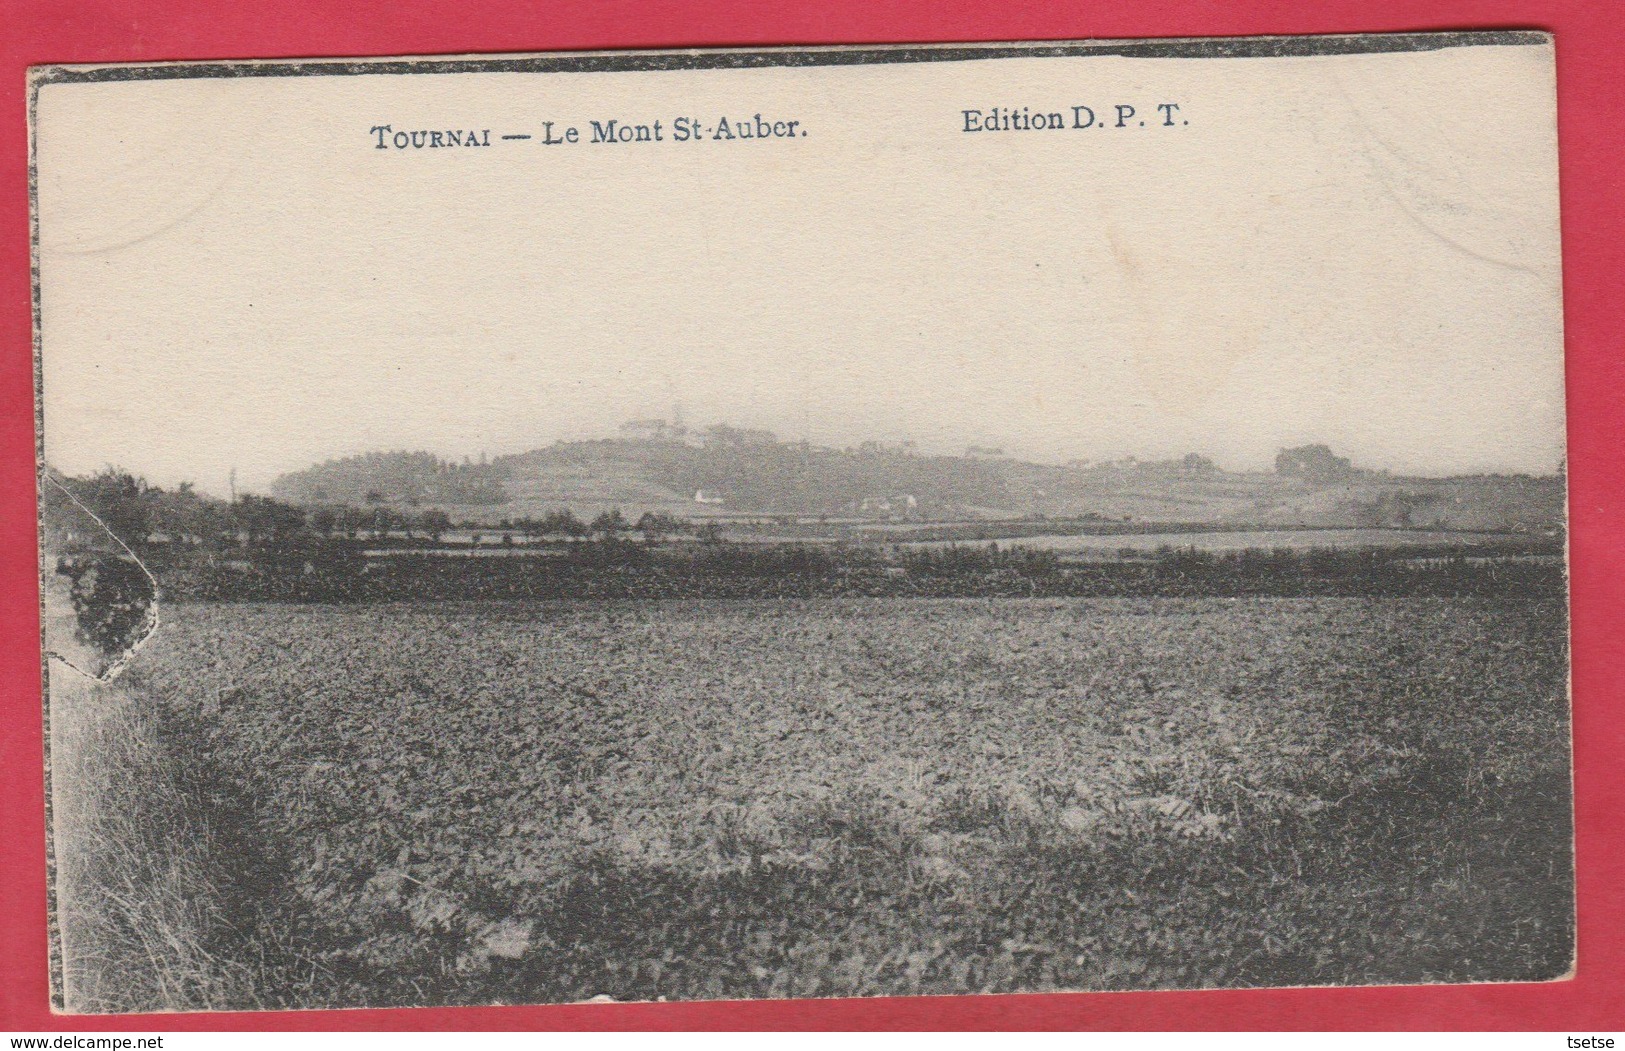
[(549, 801)]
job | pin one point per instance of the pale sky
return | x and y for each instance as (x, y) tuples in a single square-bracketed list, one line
[(1358, 250)]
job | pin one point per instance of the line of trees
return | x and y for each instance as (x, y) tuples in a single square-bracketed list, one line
[(564, 525), (145, 515)]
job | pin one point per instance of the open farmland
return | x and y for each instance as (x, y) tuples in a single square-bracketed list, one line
[(556, 800)]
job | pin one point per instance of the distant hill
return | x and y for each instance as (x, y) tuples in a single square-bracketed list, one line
[(726, 471), (391, 478), (759, 477)]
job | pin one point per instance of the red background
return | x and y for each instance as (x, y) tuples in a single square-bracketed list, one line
[(1591, 85)]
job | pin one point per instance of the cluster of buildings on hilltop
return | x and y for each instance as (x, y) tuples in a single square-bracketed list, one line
[(661, 431)]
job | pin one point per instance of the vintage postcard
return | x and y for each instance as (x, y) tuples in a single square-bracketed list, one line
[(803, 522)]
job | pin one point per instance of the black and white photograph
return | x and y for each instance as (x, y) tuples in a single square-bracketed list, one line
[(792, 523)]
